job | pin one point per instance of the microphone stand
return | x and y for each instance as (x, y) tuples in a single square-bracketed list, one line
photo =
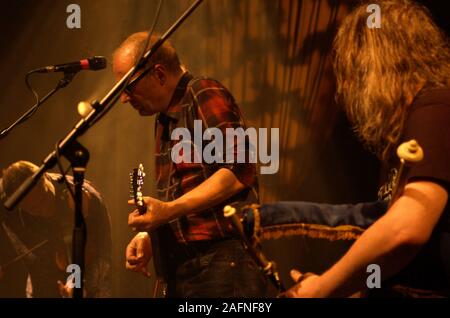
[(61, 84), (70, 147)]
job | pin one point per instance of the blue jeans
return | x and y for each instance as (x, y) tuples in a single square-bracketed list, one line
[(218, 269), (430, 270), (330, 217)]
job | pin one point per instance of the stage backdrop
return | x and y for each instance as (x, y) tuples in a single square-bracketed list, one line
[(274, 56)]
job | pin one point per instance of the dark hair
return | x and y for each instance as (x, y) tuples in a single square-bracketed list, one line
[(16, 174)]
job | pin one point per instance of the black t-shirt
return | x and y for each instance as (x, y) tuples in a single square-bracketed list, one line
[(428, 122)]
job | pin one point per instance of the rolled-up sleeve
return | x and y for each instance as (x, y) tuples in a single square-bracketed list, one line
[(219, 112)]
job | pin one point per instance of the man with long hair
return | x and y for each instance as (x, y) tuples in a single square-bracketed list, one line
[(394, 84)]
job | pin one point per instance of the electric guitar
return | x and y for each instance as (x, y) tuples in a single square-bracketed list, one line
[(136, 184), (162, 235)]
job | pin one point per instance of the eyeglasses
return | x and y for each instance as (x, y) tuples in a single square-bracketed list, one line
[(132, 84)]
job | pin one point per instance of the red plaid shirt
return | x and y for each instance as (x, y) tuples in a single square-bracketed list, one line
[(209, 101)]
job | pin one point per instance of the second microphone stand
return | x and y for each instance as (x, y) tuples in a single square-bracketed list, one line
[(61, 84)]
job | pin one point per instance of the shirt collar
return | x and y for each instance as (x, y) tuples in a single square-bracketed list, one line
[(173, 112)]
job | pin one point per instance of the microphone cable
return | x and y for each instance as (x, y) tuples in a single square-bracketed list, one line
[(35, 94)]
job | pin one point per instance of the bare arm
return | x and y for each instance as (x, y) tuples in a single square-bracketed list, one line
[(391, 242), (222, 185)]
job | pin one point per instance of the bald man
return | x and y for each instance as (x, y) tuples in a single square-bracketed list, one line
[(196, 253)]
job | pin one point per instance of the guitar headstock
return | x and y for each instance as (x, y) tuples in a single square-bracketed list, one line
[(136, 184)]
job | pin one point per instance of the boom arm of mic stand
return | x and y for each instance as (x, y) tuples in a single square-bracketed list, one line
[(99, 109), (113, 92)]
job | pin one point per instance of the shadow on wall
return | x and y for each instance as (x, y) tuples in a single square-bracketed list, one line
[(272, 55)]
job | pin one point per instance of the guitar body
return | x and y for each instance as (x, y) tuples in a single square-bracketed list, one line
[(163, 241)]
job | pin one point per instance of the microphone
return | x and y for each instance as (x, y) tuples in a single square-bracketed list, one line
[(92, 63)]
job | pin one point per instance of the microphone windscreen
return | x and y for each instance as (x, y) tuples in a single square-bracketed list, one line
[(97, 63)]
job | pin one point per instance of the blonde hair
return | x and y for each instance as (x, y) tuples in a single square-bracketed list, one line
[(379, 71), (16, 174)]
